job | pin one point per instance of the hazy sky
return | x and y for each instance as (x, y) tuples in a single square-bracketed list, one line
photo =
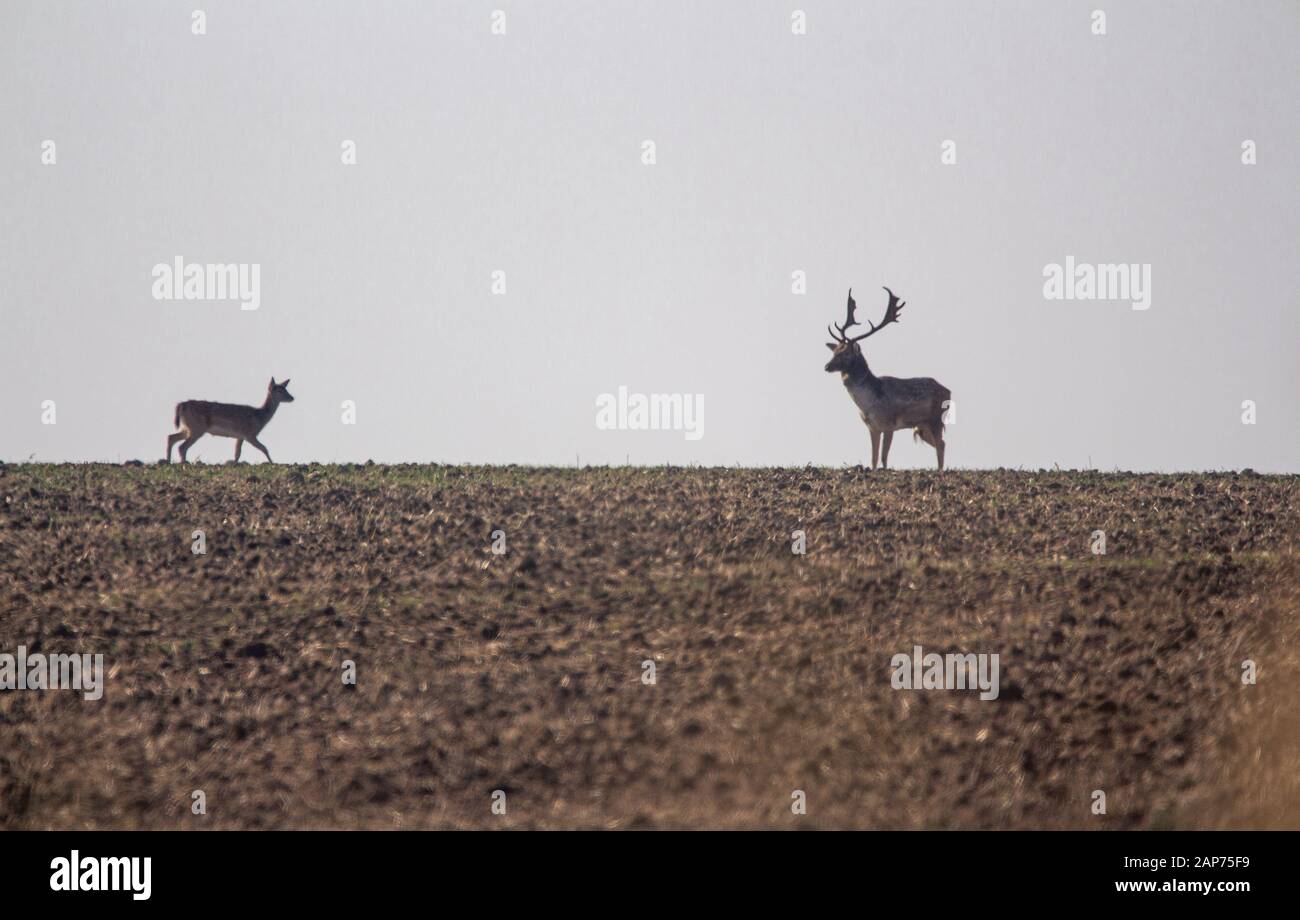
[(775, 153)]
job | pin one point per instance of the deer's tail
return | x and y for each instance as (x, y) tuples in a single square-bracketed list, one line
[(936, 422), (176, 420), (941, 410)]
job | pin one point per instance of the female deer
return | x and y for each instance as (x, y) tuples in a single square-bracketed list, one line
[(197, 417)]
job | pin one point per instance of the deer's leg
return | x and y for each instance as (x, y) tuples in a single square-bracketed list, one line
[(875, 447), (171, 442), (884, 452), (187, 444), (930, 435), (239, 445), (258, 444)]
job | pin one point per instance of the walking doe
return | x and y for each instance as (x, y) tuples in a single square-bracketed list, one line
[(197, 417)]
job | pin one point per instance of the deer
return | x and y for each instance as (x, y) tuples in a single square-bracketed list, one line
[(887, 404), (197, 417)]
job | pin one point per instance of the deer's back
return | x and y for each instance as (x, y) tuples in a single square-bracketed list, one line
[(902, 402), (218, 418), (908, 389)]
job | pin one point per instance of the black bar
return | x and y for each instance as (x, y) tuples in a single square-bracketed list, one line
[(657, 870)]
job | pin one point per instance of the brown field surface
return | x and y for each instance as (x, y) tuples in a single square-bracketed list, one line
[(523, 672)]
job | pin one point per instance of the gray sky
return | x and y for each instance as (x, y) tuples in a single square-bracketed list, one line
[(775, 152)]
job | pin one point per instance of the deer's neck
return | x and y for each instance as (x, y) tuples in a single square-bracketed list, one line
[(859, 375), (267, 409)]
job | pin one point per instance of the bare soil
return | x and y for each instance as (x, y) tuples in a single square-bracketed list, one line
[(523, 672)]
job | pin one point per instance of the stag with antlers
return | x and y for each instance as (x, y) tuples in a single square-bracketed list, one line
[(887, 403)]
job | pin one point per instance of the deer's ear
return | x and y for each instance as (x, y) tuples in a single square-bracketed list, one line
[(284, 382), (271, 385), (830, 346)]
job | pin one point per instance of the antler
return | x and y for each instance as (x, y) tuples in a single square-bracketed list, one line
[(891, 315), (849, 320)]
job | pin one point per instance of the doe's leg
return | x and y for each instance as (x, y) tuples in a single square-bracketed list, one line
[(884, 450), (258, 444), (171, 442), (187, 444)]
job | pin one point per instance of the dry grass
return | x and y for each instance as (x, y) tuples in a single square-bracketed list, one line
[(522, 672)]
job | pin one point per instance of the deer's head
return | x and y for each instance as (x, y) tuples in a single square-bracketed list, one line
[(843, 355), (278, 392), (845, 351)]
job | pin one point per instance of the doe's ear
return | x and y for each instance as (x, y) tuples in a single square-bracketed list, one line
[(271, 385), (284, 382)]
